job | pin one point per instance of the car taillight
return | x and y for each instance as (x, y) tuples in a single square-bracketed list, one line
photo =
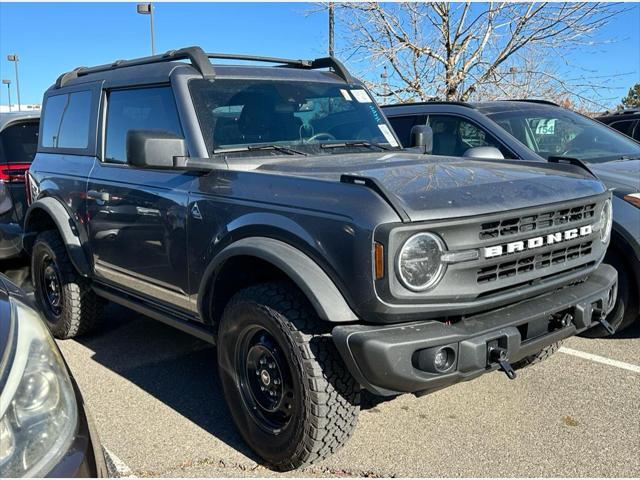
[(13, 172)]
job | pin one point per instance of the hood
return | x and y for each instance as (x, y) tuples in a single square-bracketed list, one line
[(431, 187), (622, 174)]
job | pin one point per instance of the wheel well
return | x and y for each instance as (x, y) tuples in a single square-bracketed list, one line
[(39, 221), (233, 275), (619, 250)]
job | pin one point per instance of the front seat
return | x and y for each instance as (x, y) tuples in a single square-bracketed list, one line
[(256, 121)]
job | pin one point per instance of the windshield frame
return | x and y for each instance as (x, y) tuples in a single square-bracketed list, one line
[(525, 113), (353, 146)]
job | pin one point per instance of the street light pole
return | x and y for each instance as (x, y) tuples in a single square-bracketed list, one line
[(7, 82), (331, 24), (147, 9), (14, 58)]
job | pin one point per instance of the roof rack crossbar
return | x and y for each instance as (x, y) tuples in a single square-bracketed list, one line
[(198, 59), (324, 62)]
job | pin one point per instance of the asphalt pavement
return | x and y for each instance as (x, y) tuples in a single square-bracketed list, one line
[(156, 400)]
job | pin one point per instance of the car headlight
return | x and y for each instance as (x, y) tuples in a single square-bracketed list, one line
[(420, 264), (606, 221), (38, 411)]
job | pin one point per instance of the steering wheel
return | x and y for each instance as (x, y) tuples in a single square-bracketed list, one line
[(320, 136)]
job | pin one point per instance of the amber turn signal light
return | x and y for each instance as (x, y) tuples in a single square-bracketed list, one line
[(378, 250)]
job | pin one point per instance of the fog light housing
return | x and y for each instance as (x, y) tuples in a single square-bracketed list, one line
[(436, 359)]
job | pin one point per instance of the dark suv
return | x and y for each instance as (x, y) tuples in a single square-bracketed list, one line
[(539, 130), (626, 122), (18, 143), (271, 211)]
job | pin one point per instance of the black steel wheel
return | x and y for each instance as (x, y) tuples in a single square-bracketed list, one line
[(289, 393), (65, 298)]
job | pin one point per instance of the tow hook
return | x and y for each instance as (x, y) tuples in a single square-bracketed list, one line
[(499, 355), (608, 327)]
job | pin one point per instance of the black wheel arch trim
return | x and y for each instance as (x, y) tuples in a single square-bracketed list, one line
[(64, 222), (313, 281)]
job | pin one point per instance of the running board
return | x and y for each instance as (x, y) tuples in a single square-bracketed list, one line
[(129, 301)]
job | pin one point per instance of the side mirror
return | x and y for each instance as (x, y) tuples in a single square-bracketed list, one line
[(490, 153), (422, 137), (154, 148)]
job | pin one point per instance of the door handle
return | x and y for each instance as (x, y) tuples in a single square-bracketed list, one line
[(96, 195)]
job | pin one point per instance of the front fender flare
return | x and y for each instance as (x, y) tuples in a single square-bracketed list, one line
[(321, 291), (66, 228)]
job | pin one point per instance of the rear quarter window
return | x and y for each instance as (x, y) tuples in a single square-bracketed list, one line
[(66, 121)]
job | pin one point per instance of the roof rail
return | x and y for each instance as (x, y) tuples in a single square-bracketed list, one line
[(430, 102), (196, 55), (532, 100), (200, 61)]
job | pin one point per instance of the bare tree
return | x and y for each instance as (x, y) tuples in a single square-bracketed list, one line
[(457, 51)]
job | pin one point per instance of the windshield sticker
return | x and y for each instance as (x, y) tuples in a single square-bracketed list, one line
[(388, 135), (361, 96), (546, 126), (346, 95)]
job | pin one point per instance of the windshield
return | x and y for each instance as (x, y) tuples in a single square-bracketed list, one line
[(552, 131), (275, 117)]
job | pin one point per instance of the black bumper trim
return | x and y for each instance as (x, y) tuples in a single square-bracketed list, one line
[(382, 358)]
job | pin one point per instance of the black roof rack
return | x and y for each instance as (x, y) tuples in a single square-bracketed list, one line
[(532, 100), (200, 61)]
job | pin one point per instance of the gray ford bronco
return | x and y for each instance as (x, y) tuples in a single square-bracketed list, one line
[(270, 210)]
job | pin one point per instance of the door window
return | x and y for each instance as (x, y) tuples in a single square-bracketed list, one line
[(139, 109), (453, 136), (403, 125), (625, 126)]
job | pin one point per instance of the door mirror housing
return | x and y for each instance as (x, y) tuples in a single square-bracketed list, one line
[(422, 137), (490, 153), (154, 148)]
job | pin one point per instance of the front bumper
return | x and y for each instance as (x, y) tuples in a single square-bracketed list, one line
[(392, 359)]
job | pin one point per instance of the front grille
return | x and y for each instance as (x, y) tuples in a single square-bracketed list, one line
[(530, 223), (540, 261)]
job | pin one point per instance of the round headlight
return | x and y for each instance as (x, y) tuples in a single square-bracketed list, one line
[(606, 221), (420, 263)]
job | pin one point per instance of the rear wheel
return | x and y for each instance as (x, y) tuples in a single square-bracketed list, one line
[(288, 390), (69, 305)]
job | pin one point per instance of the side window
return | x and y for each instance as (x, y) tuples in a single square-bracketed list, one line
[(66, 120), (625, 126), (453, 136), (139, 109), (402, 126)]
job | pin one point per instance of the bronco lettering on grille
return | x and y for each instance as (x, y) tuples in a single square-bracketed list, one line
[(537, 242)]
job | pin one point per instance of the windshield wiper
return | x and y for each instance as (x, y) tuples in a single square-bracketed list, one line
[(355, 143), (257, 148)]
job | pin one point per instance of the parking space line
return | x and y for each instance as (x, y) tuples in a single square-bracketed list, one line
[(599, 359), (115, 466)]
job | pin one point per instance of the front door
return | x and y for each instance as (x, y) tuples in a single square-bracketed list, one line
[(137, 216)]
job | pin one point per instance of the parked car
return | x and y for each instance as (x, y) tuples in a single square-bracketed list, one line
[(18, 143), (291, 230), (45, 430), (538, 130), (626, 122)]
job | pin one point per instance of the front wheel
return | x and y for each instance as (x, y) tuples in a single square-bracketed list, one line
[(289, 393)]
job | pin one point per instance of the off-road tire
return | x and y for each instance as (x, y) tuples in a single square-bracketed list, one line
[(80, 307), (327, 399), (627, 307), (543, 354)]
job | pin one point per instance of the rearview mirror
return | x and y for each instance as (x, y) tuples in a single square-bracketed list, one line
[(154, 148), (490, 153), (422, 137)]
